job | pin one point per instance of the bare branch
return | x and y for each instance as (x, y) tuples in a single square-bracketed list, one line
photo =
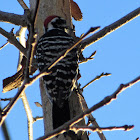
[(19, 20), (36, 11), (38, 118), (78, 118), (27, 108), (29, 52), (5, 112), (88, 58), (12, 39), (26, 83), (23, 4), (100, 129), (65, 52), (108, 29), (29, 115), (30, 45), (108, 99), (91, 119), (5, 99), (38, 104), (32, 80), (4, 45), (96, 78), (4, 129)]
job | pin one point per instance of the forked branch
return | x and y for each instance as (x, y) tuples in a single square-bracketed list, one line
[(85, 43), (12, 39), (96, 78), (78, 118), (28, 81)]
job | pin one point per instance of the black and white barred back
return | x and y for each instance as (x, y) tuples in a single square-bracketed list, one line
[(61, 81)]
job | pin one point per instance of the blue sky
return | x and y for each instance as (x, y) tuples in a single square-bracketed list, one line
[(118, 54)]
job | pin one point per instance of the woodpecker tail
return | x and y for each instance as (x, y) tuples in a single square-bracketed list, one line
[(60, 114)]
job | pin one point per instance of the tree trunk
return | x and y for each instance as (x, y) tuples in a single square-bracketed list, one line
[(60, 8)]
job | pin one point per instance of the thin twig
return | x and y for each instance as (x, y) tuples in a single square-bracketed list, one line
[(108, 29), (88, 58), (28, 81), (5, 112), (108, 99), (12, 39), (4, 45), (5, 99), (73, 121), (8, 108), (41, 74), (90, 117), (38, 104), (78, 118), (100, 129), (65, 52), (38, 118), (29, 51), (31, 39), (96, 78), (23, 4), (5, 129), (36, 11)]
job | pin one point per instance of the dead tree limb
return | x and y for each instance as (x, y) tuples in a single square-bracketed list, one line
[(12, 39), (102, 103), (108, 29), (100, 129), (19, 20), (29, 115), (25, 84), (23, 4), (4, 129), (4, 45), (96, 78), (91, 119), (7, 109)]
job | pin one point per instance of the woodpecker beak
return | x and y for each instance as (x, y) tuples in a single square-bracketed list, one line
[(69, 28)]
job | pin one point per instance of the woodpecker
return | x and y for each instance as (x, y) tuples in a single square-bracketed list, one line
[(61, 82)]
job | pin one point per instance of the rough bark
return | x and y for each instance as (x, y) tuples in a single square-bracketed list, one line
[(60, 8)]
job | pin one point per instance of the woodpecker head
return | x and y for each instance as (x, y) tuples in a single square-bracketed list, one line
[(55, 22)]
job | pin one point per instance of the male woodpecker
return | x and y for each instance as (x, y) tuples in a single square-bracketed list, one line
[(61, 82)]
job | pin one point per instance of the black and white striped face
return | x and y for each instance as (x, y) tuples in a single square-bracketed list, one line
[(56, 23)]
